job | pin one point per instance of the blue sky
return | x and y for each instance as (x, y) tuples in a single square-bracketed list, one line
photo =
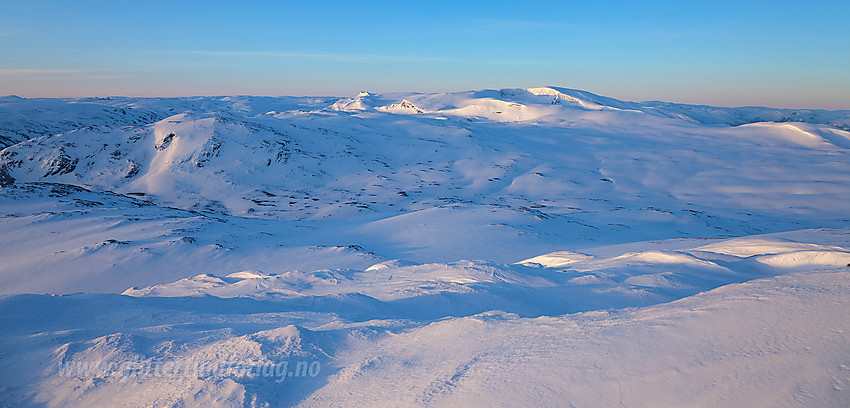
[(772, 53)]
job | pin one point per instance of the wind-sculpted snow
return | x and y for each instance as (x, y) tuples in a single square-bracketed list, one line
[(533, 247), (532, 287), (779, 339)]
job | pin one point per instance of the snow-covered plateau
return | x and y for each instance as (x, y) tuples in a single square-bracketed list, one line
[(515, 247)]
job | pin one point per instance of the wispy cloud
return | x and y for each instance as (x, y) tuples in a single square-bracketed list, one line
[(36, 71), (365, 58), (336, 57), (58, 74)]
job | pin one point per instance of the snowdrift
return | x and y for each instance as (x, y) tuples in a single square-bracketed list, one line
[(540, 246)]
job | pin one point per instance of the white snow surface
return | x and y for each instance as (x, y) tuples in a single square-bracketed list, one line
[(516, 247)]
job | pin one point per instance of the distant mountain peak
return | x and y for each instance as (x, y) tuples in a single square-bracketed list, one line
[(561, 95), (404, 106), (11, 98)]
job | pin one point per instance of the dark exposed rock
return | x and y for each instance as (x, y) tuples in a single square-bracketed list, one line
[(166, 141), (61, 164), (5, 178)]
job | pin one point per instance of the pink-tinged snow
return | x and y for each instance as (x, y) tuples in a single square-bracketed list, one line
[(515, 247)]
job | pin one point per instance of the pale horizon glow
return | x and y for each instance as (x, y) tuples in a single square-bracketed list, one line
[(758, 53)]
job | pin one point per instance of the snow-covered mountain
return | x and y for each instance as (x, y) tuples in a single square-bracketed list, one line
[(354, 233)]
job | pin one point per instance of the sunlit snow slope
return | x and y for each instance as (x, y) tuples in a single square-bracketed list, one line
[(540, 246)]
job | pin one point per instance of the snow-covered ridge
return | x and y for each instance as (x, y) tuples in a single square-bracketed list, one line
[(541, 246), (414, 176), (22, 118), (636, 277), (299, 158)]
